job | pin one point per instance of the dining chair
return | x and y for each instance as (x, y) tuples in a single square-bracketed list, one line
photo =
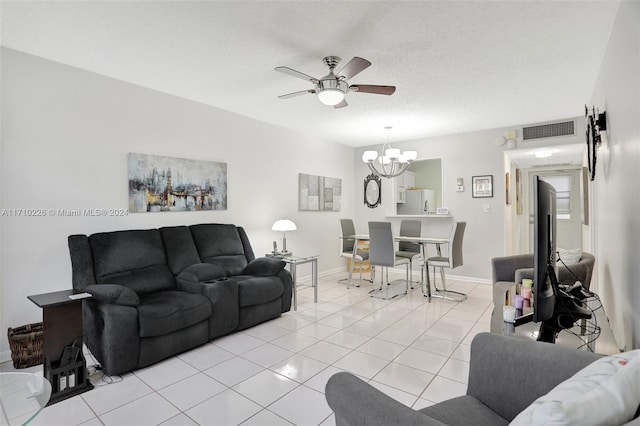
[(382, 253), (347, 250), (452, 260), (411, 251)]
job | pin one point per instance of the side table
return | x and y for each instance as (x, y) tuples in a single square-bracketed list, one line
[(293, 262), (64, 363)]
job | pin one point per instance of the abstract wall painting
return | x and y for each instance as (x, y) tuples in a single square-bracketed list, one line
[(319, 193), (168, 184)]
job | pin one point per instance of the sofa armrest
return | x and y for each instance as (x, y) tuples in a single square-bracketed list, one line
[(355, 402), (522, 274), (111, 333), (264, 267), (113, 294), (504, 268), (508, 373)]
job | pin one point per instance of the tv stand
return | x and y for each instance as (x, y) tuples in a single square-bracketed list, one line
[(567, 311)]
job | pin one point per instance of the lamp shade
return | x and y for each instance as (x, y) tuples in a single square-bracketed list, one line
[(283, 225), (331, 97), (369, 156)]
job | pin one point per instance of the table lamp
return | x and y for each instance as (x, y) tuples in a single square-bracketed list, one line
[(283, 225)]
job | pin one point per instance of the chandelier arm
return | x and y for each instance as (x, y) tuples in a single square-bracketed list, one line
[(387, 173), (373, 169)]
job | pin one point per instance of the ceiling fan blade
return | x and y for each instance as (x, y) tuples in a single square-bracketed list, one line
[(371, 88), (294, 94), (298, 74), (341, 104), (355, 66)]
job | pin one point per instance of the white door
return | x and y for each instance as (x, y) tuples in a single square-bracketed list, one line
[(568, 205)]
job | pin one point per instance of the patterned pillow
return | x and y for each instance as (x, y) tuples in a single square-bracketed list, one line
[(606, 392)]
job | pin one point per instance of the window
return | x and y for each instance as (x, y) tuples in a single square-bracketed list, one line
[(562, 184)]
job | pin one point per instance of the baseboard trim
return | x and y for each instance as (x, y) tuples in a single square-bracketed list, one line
[(5, 356)]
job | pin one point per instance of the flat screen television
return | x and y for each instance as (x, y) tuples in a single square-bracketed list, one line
[(554, 307), (544, 250)]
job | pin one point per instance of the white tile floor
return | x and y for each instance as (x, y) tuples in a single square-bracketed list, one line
[(275, 373)]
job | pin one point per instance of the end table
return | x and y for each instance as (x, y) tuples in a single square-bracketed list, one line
[(64, 367)]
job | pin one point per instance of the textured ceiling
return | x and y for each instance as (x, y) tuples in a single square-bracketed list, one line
[(458, 66)]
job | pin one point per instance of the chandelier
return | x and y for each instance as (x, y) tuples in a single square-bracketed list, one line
[(392, 162)]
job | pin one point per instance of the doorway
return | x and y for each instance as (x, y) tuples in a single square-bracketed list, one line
[(567, 183)]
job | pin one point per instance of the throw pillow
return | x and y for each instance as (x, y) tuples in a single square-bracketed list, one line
[(570, 257), (606, 392), (264, 266)]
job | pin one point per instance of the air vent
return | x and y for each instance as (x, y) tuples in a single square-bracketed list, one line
[(550, 130)]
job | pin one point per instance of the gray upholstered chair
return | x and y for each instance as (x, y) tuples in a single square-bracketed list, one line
[(452, 260), (411, 251), (382, 253), (506, 375), (507, 271), (347, 245)]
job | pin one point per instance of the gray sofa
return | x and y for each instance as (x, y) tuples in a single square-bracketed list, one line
[(508, 271), (159, 292), (506, 375)]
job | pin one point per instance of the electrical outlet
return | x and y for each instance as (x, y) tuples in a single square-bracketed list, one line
[(460, 188), (487, 208)]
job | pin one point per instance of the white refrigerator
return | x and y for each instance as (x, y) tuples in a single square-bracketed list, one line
[(418, 201)]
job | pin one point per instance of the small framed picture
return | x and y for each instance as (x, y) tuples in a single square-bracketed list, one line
[(482, 186)]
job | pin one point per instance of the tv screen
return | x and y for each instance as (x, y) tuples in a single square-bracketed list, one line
[(544, 257)]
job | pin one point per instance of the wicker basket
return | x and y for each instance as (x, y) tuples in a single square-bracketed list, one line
[(26, 345)]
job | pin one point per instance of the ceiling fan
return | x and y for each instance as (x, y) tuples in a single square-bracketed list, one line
[(332, 88)]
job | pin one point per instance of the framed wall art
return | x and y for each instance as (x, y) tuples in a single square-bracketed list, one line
[(319, 193), (507, 187), (169, 184), (482, 186), (518, 193)]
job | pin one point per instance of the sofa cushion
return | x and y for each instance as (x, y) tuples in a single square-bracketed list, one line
[(163, 312), (464, 410), (220, 245), (254, 290), (179, 247), (134, 259), (605, 392), (264, 267)]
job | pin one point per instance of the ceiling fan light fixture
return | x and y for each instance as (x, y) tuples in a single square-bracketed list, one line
[(331, 97)]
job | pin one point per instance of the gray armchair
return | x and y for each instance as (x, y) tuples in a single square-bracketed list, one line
[(506, 375), (511, 270)]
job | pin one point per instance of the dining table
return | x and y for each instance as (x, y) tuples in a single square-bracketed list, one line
[(423, 242)]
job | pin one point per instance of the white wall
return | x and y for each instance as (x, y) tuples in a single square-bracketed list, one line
[(616, 190), (463, 155), (65, 138)]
